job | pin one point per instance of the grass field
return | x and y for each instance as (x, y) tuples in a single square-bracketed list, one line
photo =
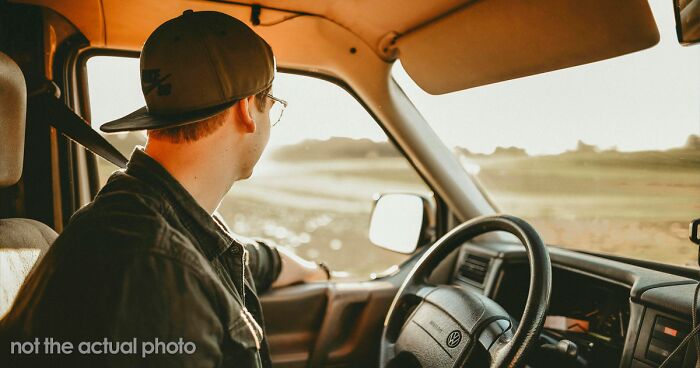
[(634, 204)]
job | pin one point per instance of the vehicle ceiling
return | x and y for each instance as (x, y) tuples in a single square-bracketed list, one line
[(445, 45), (369, 20)]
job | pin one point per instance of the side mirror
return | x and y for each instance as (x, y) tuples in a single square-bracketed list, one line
[(687, 21), (401, 222)]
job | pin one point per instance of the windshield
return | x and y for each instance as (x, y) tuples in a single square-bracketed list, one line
[(602, 157)]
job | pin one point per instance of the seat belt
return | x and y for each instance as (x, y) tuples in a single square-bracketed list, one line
[(57, 114)]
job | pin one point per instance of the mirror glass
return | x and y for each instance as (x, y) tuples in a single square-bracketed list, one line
[(687, 21), (397, 221)]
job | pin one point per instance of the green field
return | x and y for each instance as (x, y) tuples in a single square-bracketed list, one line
[(634, 204)]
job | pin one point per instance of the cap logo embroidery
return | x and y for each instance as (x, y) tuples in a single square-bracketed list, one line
[(151, 79)]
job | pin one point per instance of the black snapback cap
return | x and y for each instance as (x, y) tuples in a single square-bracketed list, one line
[(196, 66)]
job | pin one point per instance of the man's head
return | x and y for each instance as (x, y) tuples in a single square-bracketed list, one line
[(195, 131), (241, 132), (206, 77)]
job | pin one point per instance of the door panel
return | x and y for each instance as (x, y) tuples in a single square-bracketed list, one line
[(293, 317), (327, 324)]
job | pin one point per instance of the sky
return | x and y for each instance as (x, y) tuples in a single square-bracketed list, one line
[(643, 101), (648, 100)]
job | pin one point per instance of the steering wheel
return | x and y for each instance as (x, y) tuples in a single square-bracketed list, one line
[(448, 326)]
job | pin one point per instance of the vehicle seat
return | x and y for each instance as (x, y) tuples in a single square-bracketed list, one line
[(22, 241)]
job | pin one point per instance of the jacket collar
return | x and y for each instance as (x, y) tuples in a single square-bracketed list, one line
[(189, 212)]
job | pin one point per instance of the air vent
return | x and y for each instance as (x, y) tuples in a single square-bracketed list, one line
[(474, 268)]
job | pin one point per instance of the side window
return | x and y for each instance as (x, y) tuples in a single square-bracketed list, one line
[(114, 89), (313, 188)]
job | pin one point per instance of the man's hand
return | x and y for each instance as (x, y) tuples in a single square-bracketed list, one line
[(297, 270)]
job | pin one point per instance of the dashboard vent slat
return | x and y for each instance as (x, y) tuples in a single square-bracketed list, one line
[(474, 268)]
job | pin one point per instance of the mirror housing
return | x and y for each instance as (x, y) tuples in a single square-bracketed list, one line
[(400, 222), (687, 14)]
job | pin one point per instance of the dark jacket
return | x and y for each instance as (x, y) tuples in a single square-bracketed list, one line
[(145, 266)]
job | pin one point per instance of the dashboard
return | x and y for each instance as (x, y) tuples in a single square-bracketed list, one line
[(592, 313), (614, 314)]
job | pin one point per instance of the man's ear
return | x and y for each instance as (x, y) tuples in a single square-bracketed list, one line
[(243, 115)]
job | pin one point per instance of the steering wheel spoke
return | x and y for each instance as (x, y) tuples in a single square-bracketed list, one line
[(420, 291), (404, 308), (496, 340)]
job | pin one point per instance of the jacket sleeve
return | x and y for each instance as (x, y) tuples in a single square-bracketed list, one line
[(264, 262)]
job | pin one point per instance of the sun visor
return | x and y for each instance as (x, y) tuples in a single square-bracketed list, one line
[(490, 41)]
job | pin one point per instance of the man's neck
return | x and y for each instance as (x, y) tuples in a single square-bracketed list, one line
[(197, 168)]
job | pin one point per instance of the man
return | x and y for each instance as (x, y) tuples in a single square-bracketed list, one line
[(146, 274)]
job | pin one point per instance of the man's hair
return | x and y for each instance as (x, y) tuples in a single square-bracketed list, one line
[(194, 131)]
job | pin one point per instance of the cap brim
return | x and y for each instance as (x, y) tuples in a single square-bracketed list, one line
[(141, 119)]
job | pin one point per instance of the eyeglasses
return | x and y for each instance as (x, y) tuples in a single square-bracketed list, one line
[(277, 109)]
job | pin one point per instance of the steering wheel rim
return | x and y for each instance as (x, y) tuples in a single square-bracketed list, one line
[(508, 349)]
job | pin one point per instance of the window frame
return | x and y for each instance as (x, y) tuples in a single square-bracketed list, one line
[(444, 218)]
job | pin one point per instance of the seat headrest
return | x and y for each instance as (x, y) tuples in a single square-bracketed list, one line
[(13, 110)]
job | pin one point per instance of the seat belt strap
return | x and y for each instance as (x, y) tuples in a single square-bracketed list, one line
[(61, 117)]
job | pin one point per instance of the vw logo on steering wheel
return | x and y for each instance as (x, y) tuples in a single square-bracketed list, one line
[(454, 338)]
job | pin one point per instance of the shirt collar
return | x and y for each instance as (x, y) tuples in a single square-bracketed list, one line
[(186, 208)]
